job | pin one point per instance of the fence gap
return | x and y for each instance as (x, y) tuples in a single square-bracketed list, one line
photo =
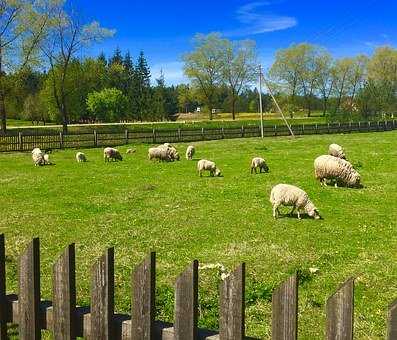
[(102, 297), (29, 292), (232, 305), (186, 304), (285, 310), (143, 299), (64, 295), (3, 310), (340, 308), (392, 321)]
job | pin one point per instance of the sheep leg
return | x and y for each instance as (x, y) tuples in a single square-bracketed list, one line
[(299, 215), (275, 211), (292, 211), (252, 169)]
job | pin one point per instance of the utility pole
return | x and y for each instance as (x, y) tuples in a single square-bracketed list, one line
[(260, 98)]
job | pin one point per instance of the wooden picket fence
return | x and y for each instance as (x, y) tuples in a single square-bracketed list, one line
[(67, 321), (58, 140)]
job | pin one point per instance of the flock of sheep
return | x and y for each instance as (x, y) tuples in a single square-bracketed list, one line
[(332, 168)]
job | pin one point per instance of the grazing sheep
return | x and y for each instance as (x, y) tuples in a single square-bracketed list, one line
[(46, 158), (159, 153), (204, 165), (328, 167), (130, 151), (112, 154), (80, 157), (38, 157), (190, 151), (168, 145), (174, 155), (260, 163), (336, 151), (290, 195)]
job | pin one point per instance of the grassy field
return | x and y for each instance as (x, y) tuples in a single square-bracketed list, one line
[(138, 206)]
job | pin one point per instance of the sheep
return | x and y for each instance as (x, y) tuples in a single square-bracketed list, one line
[(80, 157), (174, 155), (159, 153), (260, 163), (46, 158), (130, 151), (290, 195), (190, 151), (210, 166), (112, 154), (328, 167), (38, 157), (336, 151)]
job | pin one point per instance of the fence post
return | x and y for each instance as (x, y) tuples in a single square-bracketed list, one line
[(385, 126), (316, 128), (186, 304), (339, 127), (3, 316), (29, 292), (20, 141), (64, 295), (179, 135), (350, 127), (223, 133), (359, 126), (369, 126), (275, 130), (242, 132), (143, 299), (202, 133), (126, 136), (61, 140), (392, 321), (232, 305), (102, 297), (285, 310), (328, 128), (95, 138), (154, 136), (340, 312), (303, 129)]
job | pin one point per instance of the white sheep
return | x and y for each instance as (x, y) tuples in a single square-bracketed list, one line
[(290, 195), (80, 157), (260, 163), (190, 151), (46, 158), (38, 157), (111, 154), (130, 151), (159, 153), (336, 151), (171, 150), (205, 165), (336, 169)]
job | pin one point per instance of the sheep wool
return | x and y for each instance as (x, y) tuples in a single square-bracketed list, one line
[(38, 157), (80, 157), (205, 165), (190, 151), (336, 151), (260, 163), (112, 154)]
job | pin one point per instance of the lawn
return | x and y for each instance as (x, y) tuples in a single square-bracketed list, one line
[(138, 206)]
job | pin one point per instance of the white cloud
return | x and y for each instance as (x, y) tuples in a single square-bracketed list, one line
[(255, 21), (173, 72)]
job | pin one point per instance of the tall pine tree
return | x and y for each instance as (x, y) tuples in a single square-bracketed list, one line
[(142, 88), (159, 99)]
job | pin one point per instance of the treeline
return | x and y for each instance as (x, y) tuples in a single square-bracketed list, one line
[(308, 78)]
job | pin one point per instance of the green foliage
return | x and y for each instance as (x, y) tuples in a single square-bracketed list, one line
[(108, 105)]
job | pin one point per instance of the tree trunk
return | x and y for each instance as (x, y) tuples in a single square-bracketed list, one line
[(3, 113), (234, 108)]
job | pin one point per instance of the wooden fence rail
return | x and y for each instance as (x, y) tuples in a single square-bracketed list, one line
[(55, 140), (99, 321)]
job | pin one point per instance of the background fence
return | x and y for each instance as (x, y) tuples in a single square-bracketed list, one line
[(58, 140), (66, 321)]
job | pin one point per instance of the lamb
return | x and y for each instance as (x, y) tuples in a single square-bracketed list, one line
[(46, 158), (290, 195), (159, 153), (130, 151), (80, 157), (190, 151), (210, 166), (38, 157), (328, 167), (112, 154), (260, 163), (336, 151)]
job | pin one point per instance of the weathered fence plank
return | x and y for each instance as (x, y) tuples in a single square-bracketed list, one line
[(102, 297), (392, 321), (232, 305), (29, 292), (340, 308), (3, 310), (64, 295), (186, 304), (143, 299), (285, 310)]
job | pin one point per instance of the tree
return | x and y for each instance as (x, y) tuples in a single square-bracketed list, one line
[(67, 37), (108, 105), (204, 66), (238, 68), (159, 99), (142, 89), (23, 25), (325, 80)]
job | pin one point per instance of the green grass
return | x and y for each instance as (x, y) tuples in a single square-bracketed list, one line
[(138, 206)]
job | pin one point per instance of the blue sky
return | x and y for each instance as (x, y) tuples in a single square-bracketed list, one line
[(164, 29)]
